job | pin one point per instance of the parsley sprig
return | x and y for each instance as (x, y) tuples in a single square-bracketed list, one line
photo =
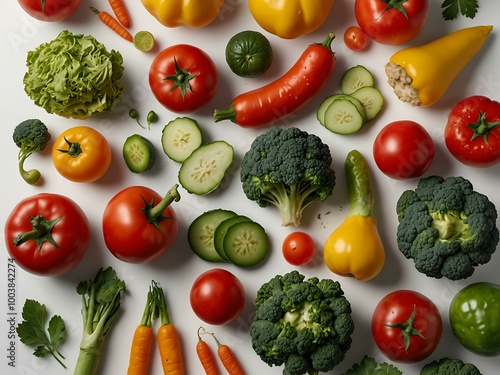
[(32, 331), (451, 8), (369, 366)]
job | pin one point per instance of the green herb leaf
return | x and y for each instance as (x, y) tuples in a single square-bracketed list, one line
[(31, 330), (369, 366), (451, 8)]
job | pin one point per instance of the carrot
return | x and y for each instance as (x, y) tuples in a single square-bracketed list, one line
[(120, 11), (142, 342), (113, 24), (169, 343), (206, 356), (228, 358)]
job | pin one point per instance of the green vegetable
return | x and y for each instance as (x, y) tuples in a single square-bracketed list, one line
[(180, 137), (74, 76), (287, 168), (451, 8), (304, 324), (446, 227), (355, 78), (447, 366), (245, 243), (32, 331), (30, 136), (249, 54), (101, 301), (369, 366), (139, 153)]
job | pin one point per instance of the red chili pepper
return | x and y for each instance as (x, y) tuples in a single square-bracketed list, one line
[(287, 94)]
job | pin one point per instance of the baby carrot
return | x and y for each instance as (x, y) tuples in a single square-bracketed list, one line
[(113, 24), (169, 343), (120, 11), (206, 356), (142, 342), (228, 358)]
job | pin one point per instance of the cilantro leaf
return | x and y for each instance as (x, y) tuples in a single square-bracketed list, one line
[(451, 8), (369, 366), (31, 330)]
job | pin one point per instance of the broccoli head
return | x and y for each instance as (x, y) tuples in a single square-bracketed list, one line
[(446, 227), (446, 366), (30, 136), (288, 168), (305, 325)]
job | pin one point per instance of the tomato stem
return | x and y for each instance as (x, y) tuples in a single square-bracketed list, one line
[(74, 148), (481, 127), (154, 213), (181, 79), (41, 232), (407, 328)]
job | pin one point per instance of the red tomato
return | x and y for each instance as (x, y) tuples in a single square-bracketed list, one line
[(406, 313), (472, 133), (217, 297), (298, 248), (403, 150), (50, 10), (355, 39), (139, 225), (393, 23), (47, 234), (183, 78)]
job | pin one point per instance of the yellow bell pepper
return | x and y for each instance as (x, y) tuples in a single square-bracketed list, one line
[(421, 75), (290, 19), (355, 248), (191, 13)]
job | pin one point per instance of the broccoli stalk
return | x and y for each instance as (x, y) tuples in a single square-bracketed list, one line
[(101, 300), (30, 136), (287, 168)]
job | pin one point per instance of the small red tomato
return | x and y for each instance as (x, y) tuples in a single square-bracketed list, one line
[(403, 150), (406, 326), (217, 297), (298, 248), (50, 10), (355, 39), (472, 133)]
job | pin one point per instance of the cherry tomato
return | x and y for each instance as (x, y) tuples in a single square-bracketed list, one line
[(81, 154), (47, 234), (298, 248), (183, 78), (393, 23), (139, 225), (355, 39), (403, 150), (50, 10), (217, 297), (472, 133), (406, 326)]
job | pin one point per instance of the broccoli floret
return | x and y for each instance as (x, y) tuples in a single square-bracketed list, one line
[(446, 227), (288, 168), (446, 366), (312, 333), (30, 136)]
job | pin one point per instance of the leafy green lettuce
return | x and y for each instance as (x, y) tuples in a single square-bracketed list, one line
[(74, 76)]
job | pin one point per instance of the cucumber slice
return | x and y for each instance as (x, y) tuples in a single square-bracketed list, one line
[(355, 78), (201, 233), (326, 103), (221, 231), (203, 171), (372, 100), (343, 117), (180, 137), (138, 153), (246, 243)]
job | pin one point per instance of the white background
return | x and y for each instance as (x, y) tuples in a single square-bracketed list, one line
[(177, 269)]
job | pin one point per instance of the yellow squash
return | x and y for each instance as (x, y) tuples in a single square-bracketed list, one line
[(191, 13), (354, 248), (428, 70), (290, 19)]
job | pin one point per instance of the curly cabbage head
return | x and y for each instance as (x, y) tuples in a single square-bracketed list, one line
[(74, 76)]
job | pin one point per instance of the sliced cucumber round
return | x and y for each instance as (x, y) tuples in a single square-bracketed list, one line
[(246, 243), (180, 137), (203, 171), (329, 100), (221, 231), (372, 100), (201, 233), (343, 117), (138, 153), (355, 78)]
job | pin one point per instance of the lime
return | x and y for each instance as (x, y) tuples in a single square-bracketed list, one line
[(144, 41), (249, 54)]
